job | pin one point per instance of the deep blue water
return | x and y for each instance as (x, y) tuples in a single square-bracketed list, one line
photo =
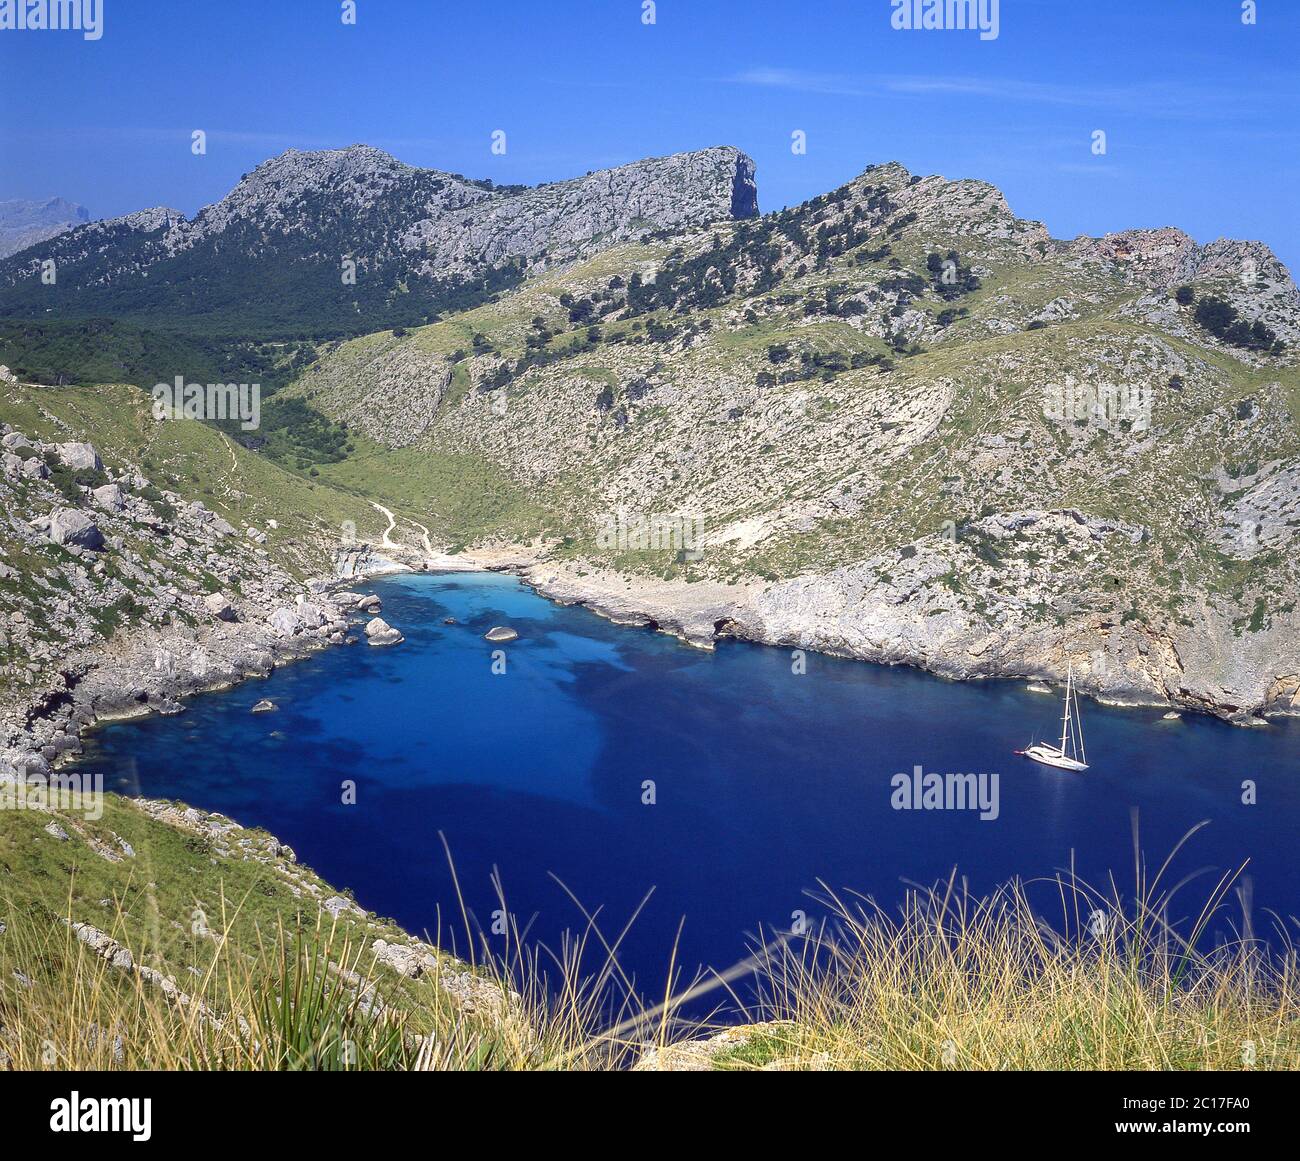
[(766, 781)]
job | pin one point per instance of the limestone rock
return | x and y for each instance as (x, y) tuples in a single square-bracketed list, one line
[(218, 604), (285, 622), (380, 632), (109, 497), (79, 457), (71, 527)]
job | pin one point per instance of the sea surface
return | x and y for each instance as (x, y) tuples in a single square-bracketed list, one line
[(608, 767)]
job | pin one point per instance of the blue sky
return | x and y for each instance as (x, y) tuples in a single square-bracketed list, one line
[(1200, 110)]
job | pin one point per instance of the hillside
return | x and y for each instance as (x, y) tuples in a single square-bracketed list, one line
[(160, 560), (342, 241), (911, 426), (144, 566), (141, 934)]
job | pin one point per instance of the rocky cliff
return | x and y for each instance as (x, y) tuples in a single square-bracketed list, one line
[(159, 561)]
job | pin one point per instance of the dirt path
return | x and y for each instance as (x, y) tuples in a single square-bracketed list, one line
[(387, 541)]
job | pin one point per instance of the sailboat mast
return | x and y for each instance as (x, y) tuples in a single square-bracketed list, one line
[(1065, 719), (1078, 732)]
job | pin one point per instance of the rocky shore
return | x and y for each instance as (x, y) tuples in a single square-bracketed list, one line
[(851, 613), (124, 598), (153, 669)]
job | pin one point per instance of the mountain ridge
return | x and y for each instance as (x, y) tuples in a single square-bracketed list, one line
[(912, 427), (25, 223), (274, 253)]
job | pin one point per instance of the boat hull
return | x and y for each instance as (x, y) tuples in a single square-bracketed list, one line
[(1051, 756)]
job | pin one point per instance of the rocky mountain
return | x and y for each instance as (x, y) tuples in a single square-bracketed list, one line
[(906, 424), (25, 223), (349, 240)]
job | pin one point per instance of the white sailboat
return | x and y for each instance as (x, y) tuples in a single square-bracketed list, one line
[(1069, 755)]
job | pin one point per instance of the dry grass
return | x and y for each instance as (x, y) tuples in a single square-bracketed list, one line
[(951, 981), (959, 982)]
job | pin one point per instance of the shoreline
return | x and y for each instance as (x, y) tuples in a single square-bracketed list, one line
[(698, 614), (150, 670), (702, 613)]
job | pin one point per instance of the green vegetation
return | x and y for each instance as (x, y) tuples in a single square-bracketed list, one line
[(1220, 318), (104, 351), (261, 976), (193, 459)]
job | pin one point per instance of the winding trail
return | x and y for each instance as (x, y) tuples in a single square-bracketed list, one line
[(387, 541)]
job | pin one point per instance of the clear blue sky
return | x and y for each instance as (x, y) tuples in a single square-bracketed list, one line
[(1200, 111)]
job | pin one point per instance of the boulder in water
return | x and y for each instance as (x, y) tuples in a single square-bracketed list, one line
[(500, 634), (380, 632)]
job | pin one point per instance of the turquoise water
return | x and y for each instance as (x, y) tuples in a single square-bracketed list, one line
[(765, 781)]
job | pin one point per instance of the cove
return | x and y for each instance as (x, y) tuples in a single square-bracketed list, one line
[(615, 761)]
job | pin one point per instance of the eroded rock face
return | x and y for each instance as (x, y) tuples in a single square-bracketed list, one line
[(410, 224)]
